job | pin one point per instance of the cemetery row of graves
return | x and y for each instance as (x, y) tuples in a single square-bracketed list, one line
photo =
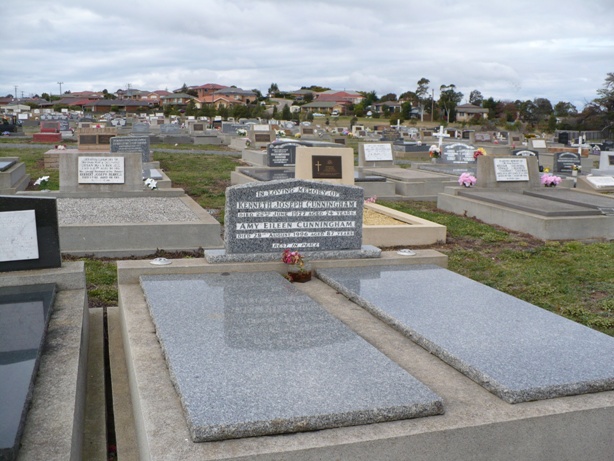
[(513, 262), (230, 285)]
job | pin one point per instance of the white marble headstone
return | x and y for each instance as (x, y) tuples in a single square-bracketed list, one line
[(19, 239), (511, 169)]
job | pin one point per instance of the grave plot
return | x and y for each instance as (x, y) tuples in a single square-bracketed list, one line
[(513, 349), (251, 355)]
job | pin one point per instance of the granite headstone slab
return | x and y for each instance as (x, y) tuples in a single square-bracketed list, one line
[(565, 161), (457, 153), (30, 236), (24, 316), (170, 128), (281, 154), (140, 127), (132, 144), (302, 214)]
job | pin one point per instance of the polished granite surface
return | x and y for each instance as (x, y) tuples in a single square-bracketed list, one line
[(24, 316), (514, 349), (249, 354)]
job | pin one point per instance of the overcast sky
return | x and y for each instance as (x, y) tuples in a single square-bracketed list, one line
[(514, 49)]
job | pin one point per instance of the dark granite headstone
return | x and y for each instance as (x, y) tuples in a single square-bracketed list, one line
[(132, 144), (457, 153), (564, 161), (525, 153), (563, 138), (28, 243), (309, 215), (88, 139), (283, 154), (24, 316)]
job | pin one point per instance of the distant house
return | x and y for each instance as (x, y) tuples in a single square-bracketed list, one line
[(236, 95), (205, 92), (324, 107), (390, 106), (467, 112), (155, 97), (179, 99), (348, 97), (89, 95), (125, 105)]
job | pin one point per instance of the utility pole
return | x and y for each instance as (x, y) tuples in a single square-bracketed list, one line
[(432, 104), (60, 83), (15, 95)]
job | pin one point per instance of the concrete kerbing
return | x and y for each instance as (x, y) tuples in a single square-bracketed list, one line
[(54, 425), (477, 424)]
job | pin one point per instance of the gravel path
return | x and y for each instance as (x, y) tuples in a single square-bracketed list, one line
[(123, 210)]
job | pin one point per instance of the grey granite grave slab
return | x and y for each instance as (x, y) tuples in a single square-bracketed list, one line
[(404, 174), (24, 316), (249, 355), (530, 204), (132, 144), (6, 164), (603, 203), (266, 174), (514, 349), (453, 169), (215, 256)]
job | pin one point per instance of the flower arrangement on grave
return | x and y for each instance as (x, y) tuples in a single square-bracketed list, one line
[(42, 182), (297, 136), (151, 183), (371, 199), (479, 151), (576, 167), (467, 180), (298, 269), (60, 147), (241, 132), (434, 151), (550, 180), (280, 133)]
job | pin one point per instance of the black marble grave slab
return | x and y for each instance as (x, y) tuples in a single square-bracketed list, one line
[(512, 348), (48, 236), (24, 316)]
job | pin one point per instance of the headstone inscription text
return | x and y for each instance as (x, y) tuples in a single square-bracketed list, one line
[(301, 214), (378, 152), (511, 169), (19, 240), (101, 170), (132, 144), (326, 167)]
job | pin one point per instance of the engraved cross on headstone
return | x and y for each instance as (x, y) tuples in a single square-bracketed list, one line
[(441, 135), (318, 165)]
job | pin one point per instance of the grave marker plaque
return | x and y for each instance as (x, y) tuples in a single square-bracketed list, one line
[(457, 153), (309, 215), (511, 169), (101, 170), (326, 167), (378, 152), (132, 144)]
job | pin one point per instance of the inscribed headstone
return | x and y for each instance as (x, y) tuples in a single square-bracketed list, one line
[(269, 217), (132, 144)]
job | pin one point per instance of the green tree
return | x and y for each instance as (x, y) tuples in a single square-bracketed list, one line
[(406, 110), (369, 98), (605, 101), (422, 94), (564, 109), (476, 98), (448, 100), (191, 108), (494, 108), (273, 89), (388, 97), (46, 96), (285, 113)]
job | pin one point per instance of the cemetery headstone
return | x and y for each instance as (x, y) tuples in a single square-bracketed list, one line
[(101, 172), (511, 173), (332, 164), (375, 154), (140, 128), (565, 161), (170, 128), (30, 236), (132, 144), (457, 153), (95, 139), (269, 217)]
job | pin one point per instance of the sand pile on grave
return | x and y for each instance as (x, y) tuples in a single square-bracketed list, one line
[(373, 218)]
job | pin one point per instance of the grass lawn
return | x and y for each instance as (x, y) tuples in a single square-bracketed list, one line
[(573, 279)]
